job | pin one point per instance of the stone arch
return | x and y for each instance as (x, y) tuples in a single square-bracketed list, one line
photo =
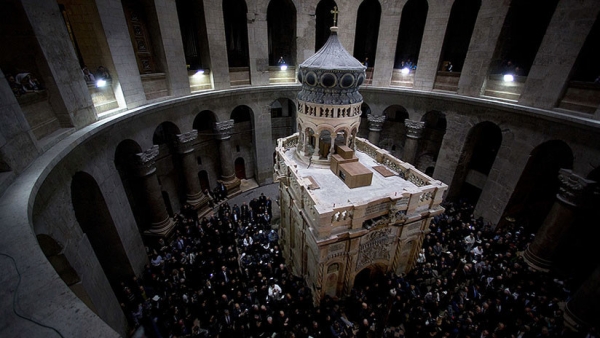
[(55, 255), (324, 20), (168, 168), (477, 157), (204, 123), (369, 275), (165, 133), (331, 282), (410, 33), (242, 136), (96, 222), (342, 136), (367, 31), (124, 160), (281, 25), (536, 189), (240, 168), (236, 32), (458, 33), (325, 135)]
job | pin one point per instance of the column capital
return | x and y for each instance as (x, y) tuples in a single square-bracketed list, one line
[(575, 190), (183, 142), (143, 163), (223, 129), (375, 122), (414, 129)]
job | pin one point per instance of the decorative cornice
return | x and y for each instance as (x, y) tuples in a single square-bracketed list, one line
[(375, 122), (223, 129), (414, 129), (143, 163), (183, 142), (575, 190)]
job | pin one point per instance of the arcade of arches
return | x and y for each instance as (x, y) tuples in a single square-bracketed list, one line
[(89, 175)]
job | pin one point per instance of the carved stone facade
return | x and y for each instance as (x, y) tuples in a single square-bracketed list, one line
[(414, 129), (375, 122), (329, 233)]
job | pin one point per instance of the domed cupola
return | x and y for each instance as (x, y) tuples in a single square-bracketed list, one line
[(329, 102), (331, 76)]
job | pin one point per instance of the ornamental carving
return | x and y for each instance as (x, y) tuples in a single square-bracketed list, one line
[(183, 142), (224, 129), (575, 190), (186, 137), (414, 129), (144, 163), (375, 122)]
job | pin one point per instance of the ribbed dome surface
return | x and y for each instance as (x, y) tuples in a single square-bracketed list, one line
[(332, 56), (331, 76)]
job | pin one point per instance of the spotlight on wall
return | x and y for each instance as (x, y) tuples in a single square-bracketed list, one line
[(100, 83), (199, 73), (405, 71), (509, 78), (283, 67)]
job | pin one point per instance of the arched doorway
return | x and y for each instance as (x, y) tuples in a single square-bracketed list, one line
[(369, 276), (124, 154), (242, 137), (431, 141), (204, 182), (240, 168), (95, 221), (536, 189), (393, 132), (476, 160), (324, 143)]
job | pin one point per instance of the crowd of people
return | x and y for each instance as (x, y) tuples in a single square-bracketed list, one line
[(23, 83), (224, 275), (100, 74)]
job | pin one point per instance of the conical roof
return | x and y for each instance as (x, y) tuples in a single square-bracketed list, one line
[(331, 76), (332, 56)]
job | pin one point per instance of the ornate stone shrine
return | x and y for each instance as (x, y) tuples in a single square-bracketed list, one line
[(332, 230)]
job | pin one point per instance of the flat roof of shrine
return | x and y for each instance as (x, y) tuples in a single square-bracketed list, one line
[(333, 190)]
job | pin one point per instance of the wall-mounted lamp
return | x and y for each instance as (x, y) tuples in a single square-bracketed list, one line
[(199, 73)]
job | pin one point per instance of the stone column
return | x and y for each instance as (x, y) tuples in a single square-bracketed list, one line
[(171, 48), (564, 38), (375, 126), (145, 169), (431, 45), (223, 131), (258, 48), (583, 309), (481, 49), (386, 43), (414, 131), (574, 192), (60, 71), (129, 89), (316, 155), (217, 44), (185, 149)]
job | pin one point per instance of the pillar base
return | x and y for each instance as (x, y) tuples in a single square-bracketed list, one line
[(572, 321), (197, 201), (161, 229), (232, 184), (536, 262)]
